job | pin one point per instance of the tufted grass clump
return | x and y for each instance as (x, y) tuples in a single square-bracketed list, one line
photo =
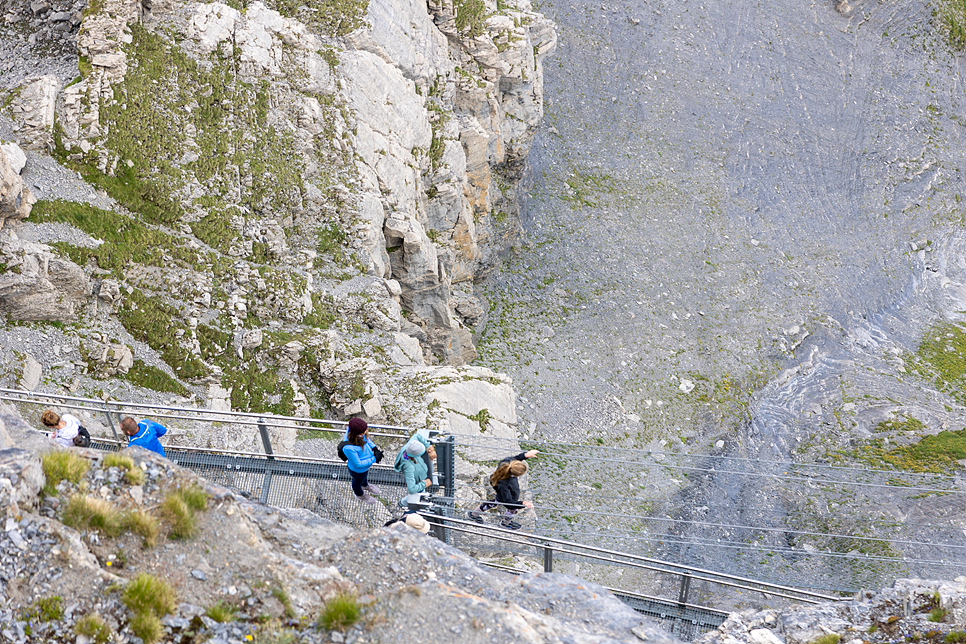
[(147, 593), (955, 637), (194, 497), (828, 638), (147, 626), (340, 612), (94, 628), (62, 465), (132, 473), (178, 510), (937, 614), (150, 599), (221, 612), (144, 525), (88, 513), (180, 519)]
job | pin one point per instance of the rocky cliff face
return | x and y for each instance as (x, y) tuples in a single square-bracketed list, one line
[(284, 207), (246, 572)]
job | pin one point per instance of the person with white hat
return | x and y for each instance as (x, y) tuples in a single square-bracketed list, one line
[(414, 467), (413, 520)]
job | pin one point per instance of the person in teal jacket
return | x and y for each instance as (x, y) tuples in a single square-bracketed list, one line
[(144, 434), (413, 466)]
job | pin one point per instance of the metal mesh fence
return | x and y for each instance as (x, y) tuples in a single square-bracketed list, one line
[(826, 528)]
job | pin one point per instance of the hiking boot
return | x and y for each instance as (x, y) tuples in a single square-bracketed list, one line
[(372, 489), (365, 498), (475, 516), (510, 524)]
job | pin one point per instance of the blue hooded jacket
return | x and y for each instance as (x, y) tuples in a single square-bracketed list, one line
[(147, 436)]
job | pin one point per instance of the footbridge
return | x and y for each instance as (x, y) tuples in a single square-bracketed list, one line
[(670, 534)]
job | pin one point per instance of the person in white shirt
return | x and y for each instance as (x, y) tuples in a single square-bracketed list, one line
[(63, 429)]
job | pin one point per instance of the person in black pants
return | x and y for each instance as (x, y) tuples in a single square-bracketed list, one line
[(504, 481)]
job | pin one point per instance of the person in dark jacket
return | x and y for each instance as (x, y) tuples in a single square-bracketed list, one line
[(504, 481), (361, 456)]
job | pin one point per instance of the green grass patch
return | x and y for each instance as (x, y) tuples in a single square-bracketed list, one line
[(62, 465), (586, 188), (955, 637), (88, 513), (178, 510), (828, 638), (132, 473), (339, 613), (149, 594), (147, 626), (906, 424), (125, 240), (94, 628), (152, 321), (331, 17), (470, 17), (936, 454), (221, 612), (144, 525), (951, 17), (150, 377), (44, 609), (941, 358)]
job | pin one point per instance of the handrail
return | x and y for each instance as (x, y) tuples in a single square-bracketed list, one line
[(197, 415), (733, 581), (621, 591)]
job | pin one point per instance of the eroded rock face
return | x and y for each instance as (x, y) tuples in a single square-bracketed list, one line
[(904, 611), (418, 114), (15, 196)]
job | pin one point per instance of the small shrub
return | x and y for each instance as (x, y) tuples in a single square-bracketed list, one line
[(144, 525), (147, 626), (339, 613), (148, 594), (94, 628), (221, 612), (87, 513), (62, 465)]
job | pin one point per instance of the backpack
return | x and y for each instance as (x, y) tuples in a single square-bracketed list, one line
[(340, 452), (83, 438)]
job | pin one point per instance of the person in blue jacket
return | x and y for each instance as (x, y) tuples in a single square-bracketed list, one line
[(144, 434), (361, 455)]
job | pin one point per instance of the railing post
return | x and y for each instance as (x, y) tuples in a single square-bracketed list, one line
[(446, 464), (110, 421), (685, 587), (267, 443), (547, 559)]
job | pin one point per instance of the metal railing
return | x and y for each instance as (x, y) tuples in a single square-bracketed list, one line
[(668, 549)]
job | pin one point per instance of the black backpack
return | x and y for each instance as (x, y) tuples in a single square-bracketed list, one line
[(341, 453)]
